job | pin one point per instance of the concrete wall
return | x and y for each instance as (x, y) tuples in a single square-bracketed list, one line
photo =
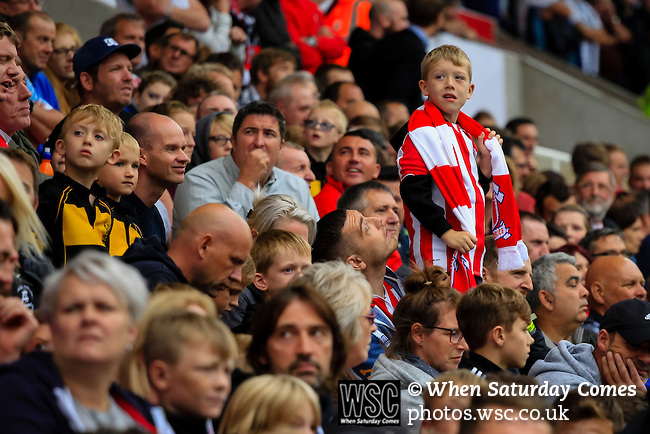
[(568, 111), (84, 15)]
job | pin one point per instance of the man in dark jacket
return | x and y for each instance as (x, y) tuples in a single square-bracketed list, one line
[(209, 252)]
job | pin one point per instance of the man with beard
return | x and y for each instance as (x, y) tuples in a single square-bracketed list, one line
[(595, 189), (210, 249), (620, 358), (296, 333), (366, 244)]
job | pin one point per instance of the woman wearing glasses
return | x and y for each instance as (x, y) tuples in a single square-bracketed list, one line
[(212, 138), (59, 67), (427, 341)]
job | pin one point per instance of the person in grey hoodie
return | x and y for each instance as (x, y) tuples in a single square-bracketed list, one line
[(427, 341), (623, 341)]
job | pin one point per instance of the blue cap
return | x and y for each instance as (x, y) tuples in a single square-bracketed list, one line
[(97, 49)]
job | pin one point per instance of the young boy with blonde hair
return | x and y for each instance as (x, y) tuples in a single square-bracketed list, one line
[(325, 125), (120, 176), (71, 205), (279, 257), (494, 320), (189, 359), (446, 164)]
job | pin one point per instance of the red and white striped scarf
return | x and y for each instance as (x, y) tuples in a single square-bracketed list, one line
[(450, 159)]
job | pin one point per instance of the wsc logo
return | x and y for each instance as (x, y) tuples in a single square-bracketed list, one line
[(369, 403)]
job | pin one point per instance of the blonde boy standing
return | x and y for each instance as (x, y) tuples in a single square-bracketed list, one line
[(443, 184)]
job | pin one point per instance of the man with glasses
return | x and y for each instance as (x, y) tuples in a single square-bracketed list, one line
[(365, 244), (611, 279), (595, 189), (621, 356), (179, 52)]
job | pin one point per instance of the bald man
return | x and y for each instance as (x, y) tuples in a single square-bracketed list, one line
[(162, 165), (611, 279), (208, 253)]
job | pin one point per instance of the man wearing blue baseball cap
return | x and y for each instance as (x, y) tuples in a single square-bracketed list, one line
[(103, 71)]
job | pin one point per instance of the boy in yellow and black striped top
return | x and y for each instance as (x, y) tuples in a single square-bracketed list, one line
[(71, 205)]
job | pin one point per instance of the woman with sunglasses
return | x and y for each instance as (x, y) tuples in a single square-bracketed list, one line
[(427, 341)]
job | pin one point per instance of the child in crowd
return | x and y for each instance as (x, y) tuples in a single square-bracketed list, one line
[(156, 87), (189, 359), (324, 126), (443, 185), (70, 204), (495, 321), (279, 257), (120, 176)]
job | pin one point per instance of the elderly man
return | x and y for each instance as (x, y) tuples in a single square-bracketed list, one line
[(534, 234), (162, 165), (611, 279), (559, 300), (209, 252), (294, 96), (296, 333), (257, 137), (595, 189), (15, 116), (366, 245), (620, 358), (353, 161)]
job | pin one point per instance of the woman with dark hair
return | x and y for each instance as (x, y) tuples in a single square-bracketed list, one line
[(427, 341)]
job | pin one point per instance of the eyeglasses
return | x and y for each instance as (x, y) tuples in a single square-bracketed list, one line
[(65, 51), (324, 126), (455, 335), (219, 140), (176, 48), (370, 318)]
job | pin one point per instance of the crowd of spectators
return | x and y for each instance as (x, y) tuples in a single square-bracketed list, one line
[(203, 226)]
